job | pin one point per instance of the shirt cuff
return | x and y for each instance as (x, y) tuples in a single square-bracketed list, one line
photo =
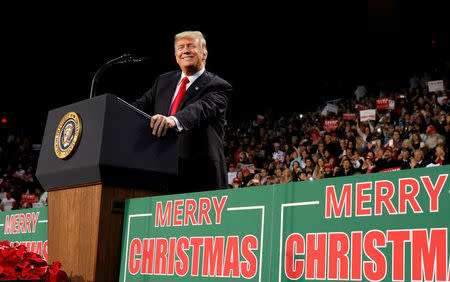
[(179, 127)]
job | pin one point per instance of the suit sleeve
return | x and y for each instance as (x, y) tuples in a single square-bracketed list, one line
[(209, 107), (146, 102)]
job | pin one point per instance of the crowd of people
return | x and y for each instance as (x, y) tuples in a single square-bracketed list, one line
[(19, 188), (412, 132)]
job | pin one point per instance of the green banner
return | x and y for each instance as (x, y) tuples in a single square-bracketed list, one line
[(224, 234), (27, 227), (379, 227)]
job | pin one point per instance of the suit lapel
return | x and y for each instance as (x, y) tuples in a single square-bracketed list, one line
[(169, 92), (195, 88)]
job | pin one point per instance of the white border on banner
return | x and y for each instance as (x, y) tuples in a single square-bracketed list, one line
[(128, 237), (281, 227), (228, 209), (262, 231)]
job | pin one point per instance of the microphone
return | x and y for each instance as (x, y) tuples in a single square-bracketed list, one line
[(123, 59), (132, 59)]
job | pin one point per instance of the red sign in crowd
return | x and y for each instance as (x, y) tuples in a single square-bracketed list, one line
[(382, 103), (331, 125), (349, 116), (385, 103)]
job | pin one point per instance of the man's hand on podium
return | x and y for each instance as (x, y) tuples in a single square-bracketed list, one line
[(160, 124)]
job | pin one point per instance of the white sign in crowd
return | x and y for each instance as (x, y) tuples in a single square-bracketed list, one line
[(435, 85), (367, 115)]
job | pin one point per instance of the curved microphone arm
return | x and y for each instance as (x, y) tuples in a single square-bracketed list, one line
[(117, 60)]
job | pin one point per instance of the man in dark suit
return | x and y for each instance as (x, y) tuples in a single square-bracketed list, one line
[(193, 102)]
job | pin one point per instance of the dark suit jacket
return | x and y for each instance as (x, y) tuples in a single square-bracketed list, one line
[(201, 113)]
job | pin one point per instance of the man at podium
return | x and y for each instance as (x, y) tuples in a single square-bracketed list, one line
[(193, 102)]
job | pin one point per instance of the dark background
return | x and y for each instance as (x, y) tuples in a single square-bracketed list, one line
[(279, 58)]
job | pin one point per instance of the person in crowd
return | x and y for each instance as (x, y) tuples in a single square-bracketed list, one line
[(397, 142), (404, 158), (346, 168), (231, 173), (416, 141), (264, 176), (441, 155), (43, 199), (295, 157), (328, 170), (432, 137), (2, 192), (418, 160), (8, 203), (319, 169), (287, 176), (237, 183), (278, 154), (247, 176), (387, 161), (255, 181), (368, 165)]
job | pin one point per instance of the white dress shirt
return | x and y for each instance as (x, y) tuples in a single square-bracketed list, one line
[(191, 78)]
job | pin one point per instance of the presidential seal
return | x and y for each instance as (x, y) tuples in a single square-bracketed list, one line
[(67, 135)]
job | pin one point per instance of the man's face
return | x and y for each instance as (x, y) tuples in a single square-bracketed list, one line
[(303, 176), (349, 153), (189, 55), (387, 155), (405, 155), (346, 164), (396, 136), (418, 156)]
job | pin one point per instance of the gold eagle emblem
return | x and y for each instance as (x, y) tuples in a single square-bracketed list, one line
[(67, 135)]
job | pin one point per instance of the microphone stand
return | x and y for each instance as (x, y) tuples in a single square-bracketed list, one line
[(117, 60)]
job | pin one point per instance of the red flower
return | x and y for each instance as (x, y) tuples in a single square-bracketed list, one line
[(54, 268), (4, 243), (16, 263)]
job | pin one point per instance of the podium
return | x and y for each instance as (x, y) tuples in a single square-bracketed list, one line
[(116, 158)]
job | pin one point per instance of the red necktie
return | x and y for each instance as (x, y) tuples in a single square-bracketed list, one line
[(181, 91)]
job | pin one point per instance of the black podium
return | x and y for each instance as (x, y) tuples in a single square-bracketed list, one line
[(116, 158)]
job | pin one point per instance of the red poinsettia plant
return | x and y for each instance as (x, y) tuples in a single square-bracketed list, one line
[(16, 263)]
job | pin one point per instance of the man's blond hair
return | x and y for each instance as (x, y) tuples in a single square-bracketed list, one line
[(192, 34)]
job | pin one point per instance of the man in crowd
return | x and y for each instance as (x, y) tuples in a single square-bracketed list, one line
[(231, 173), (418, 159), (387, 161), (278, 154), (8, 203)]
